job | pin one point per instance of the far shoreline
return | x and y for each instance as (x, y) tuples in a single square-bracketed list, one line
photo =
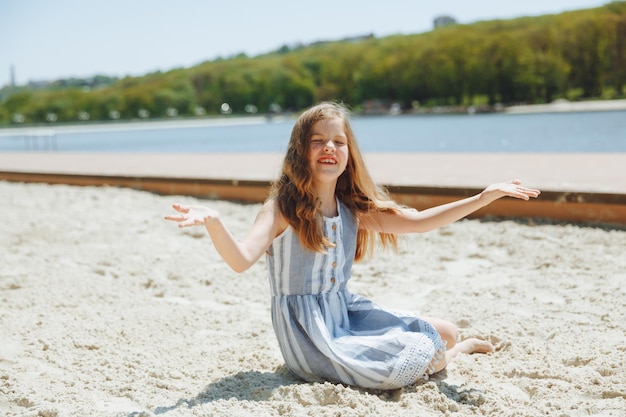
[(566, 106), (557, 106), (125, 125)]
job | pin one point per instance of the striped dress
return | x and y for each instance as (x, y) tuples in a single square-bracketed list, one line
[(326, 333)]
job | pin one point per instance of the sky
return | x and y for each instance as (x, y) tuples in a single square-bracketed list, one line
[(53, 39)]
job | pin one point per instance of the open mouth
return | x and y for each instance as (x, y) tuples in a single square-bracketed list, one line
[(328, 161)]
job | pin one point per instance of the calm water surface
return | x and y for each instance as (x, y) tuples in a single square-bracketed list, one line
[(536, 133)]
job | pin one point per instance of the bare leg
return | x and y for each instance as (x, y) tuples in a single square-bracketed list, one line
[(450, 334), (471, 345), (447, 330)]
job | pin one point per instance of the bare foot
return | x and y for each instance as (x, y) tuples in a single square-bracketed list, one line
[(474, 345)]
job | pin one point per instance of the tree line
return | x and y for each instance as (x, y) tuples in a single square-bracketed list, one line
[(574, 55)]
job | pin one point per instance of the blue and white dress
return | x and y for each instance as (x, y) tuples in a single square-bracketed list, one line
[(326, 333)]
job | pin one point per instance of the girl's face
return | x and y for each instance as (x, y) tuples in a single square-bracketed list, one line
[(328, 150)]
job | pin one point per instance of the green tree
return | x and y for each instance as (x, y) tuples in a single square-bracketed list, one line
[(616, 73), (584, 49), (532, 59), (17, 103)]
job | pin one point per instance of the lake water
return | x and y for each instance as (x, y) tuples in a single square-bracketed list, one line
[(535, 133)]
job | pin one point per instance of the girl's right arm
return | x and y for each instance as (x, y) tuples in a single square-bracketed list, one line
[(239, 255)]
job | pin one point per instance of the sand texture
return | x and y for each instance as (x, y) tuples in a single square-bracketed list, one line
[(106, 309)]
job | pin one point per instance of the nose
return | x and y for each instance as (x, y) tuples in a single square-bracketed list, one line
[(329, 146)]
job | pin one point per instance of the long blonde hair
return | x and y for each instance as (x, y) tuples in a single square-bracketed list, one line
[(296, 196)]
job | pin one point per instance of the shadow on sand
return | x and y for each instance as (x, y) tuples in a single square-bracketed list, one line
[(259, 386), (243, 386)]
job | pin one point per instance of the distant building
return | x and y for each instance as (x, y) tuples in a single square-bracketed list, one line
[(444, 20)]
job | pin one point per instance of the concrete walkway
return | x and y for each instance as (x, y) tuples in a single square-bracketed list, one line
[(576, 187)]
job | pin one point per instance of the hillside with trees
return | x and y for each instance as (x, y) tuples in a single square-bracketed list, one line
[(575, 55)]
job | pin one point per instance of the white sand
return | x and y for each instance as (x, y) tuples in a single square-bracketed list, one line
[(106, 309)]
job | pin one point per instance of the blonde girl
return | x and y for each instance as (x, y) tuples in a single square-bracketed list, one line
[(324, 213)]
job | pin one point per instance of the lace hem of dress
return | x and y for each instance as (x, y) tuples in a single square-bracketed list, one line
[(410, 372), (438, 356)]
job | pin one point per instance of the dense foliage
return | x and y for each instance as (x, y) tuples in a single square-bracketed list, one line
[(574, 55)]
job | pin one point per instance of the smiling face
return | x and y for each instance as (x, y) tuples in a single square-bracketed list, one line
[(328, 150)]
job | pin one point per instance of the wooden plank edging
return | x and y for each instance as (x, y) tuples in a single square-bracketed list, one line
[(578, 207)]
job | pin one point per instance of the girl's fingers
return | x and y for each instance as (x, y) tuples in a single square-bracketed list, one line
[(184, 221), (182, 209), (190, 222), (531, 192), (174, 219), (528, 193)]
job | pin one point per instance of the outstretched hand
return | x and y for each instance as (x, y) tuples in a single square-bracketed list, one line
[(192, 215), (511, 188)]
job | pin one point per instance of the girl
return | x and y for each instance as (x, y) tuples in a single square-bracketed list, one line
[(324, 213)]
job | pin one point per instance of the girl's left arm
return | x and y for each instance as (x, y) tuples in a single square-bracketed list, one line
[(413, 221)]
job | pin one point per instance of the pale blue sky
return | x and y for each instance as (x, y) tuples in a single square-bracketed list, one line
[(51, 39)]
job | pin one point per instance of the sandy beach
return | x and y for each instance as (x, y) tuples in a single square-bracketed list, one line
[(106, 309)]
